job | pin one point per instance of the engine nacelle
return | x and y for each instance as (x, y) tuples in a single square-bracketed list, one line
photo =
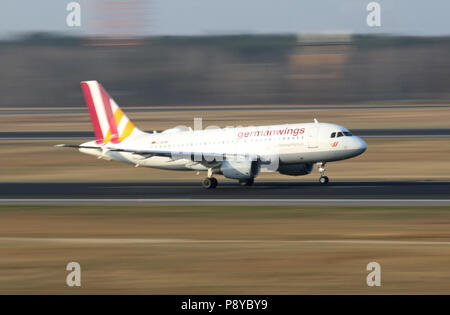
[(240, 169), (296, 169)]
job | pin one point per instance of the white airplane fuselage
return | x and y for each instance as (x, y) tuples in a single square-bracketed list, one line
[(293, 143)]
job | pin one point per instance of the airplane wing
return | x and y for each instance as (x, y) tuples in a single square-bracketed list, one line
[(201, 157)]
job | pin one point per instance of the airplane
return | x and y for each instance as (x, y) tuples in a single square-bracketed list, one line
[(238, 153)]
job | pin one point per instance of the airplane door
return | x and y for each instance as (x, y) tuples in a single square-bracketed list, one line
[(313, 137)]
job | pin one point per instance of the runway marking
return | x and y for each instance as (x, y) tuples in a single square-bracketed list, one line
[(137, 241), (231, 201)]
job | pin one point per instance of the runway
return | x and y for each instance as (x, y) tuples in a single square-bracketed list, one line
[(265, 193), (366, 133)]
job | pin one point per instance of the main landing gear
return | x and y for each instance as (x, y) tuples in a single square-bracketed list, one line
[(323, 179), (209, 182)]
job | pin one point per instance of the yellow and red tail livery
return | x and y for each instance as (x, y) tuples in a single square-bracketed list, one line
[(108, 120)]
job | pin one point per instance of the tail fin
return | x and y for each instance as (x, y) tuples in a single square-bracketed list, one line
[(109, 122)]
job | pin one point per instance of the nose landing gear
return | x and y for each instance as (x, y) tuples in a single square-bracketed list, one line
[(323, 179)]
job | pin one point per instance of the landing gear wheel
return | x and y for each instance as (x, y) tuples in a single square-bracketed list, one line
[(209, 182), (323, 180), (246, 182), (321, 167)]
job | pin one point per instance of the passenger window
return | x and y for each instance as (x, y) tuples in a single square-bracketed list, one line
[(333, 134), (340, 134)]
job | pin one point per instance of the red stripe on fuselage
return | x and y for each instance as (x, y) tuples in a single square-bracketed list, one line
[(109, 114), (92, 112)]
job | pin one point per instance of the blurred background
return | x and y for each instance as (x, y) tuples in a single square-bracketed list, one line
[(43, 70), (154, 52)]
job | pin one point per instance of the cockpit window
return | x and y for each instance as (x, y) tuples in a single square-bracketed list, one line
[(339, 134), (333, 134), (348, 134)]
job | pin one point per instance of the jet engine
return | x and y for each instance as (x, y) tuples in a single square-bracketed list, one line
[(296, 169), (240, 169)]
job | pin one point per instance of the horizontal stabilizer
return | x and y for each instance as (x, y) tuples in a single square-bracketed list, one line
[(76, 146)]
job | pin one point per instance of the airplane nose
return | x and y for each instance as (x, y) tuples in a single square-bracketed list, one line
[(361, 145)]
